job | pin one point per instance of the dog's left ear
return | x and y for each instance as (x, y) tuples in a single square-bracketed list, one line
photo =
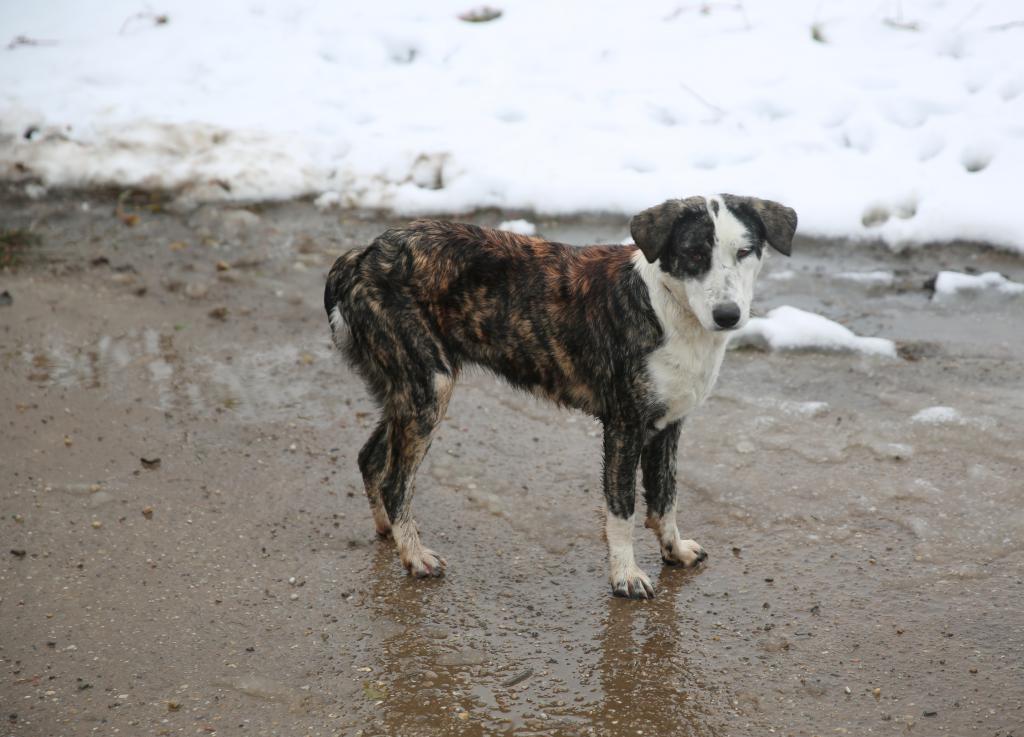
[(779, 222), (652, 228)]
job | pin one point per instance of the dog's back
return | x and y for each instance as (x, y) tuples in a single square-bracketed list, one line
[(442, 294)]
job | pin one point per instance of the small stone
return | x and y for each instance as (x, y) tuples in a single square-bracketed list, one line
[(291, 580), (463, 715), (930, 713), (68, 441), (847, 691), (877, 693), (223, 266), (173, 706), (972, 670), (96, 524), (147, 512), (218, 313), (196, 290), (293, 597)]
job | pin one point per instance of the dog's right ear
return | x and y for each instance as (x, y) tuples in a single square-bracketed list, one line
[(652, 228)]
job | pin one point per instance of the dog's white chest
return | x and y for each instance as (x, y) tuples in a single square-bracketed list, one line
[(683, 371)]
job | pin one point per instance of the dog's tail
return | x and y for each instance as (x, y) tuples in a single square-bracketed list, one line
[(340, 281)]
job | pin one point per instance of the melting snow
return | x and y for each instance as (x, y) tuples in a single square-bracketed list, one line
[(788, 328), (899, 121), (949, 283)]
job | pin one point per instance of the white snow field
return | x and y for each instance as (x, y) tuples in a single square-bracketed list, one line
[(901, 120), (790, 329)]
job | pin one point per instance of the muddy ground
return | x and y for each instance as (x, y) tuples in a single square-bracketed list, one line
[(866, 572)]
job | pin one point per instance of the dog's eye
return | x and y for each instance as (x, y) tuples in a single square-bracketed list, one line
[(743, 253)]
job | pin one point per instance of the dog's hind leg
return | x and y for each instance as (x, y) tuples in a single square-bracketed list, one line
[(622, 444), (658, 461), (412, 416), (372, 463)]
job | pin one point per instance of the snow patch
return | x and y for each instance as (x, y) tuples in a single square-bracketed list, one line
[(790, 329), (938, 416), (951, 283), (867, 278), (522, 227), (327, 200)]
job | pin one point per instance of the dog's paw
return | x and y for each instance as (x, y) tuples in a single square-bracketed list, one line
[(686, 553), (632, 583), (424, 563)]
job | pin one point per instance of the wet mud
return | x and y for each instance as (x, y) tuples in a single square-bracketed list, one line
[(866, 572)]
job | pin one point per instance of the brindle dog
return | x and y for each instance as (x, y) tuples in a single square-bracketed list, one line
[(633, 335)]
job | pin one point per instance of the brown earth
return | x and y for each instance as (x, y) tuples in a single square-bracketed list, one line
[(865, 574)]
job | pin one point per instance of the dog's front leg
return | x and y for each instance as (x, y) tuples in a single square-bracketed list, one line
[(622, 444), (658, 461)]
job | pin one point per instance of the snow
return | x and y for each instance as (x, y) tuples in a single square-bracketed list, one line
[(788, 328), (327, 200), (523, 227), (951, 283), (879, 278), (938, 416), (897, 120)]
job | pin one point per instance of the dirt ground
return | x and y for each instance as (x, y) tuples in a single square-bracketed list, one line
[(187, 549)]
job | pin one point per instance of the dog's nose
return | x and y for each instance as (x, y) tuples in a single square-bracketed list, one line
[(726, 314)]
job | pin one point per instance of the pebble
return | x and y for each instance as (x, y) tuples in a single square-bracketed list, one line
[(96, 524), (147, 512), (293, 597), (878, 693), (196, 290), (223, 266), (847, 691)]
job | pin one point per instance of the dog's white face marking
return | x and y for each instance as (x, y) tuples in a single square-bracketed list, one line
[(684, 369), (626, 577), (735, 263)]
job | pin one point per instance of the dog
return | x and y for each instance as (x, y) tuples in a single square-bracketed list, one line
[(634, 335)]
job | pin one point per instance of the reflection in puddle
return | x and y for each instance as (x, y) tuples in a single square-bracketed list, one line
[(274, 383), (451, 661)]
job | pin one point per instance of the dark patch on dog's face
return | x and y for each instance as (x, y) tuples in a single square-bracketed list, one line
[(688, 253), (742, 211), (679, 234), (768, 220)]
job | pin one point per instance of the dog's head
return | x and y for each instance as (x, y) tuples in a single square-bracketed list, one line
[(710, 251)]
